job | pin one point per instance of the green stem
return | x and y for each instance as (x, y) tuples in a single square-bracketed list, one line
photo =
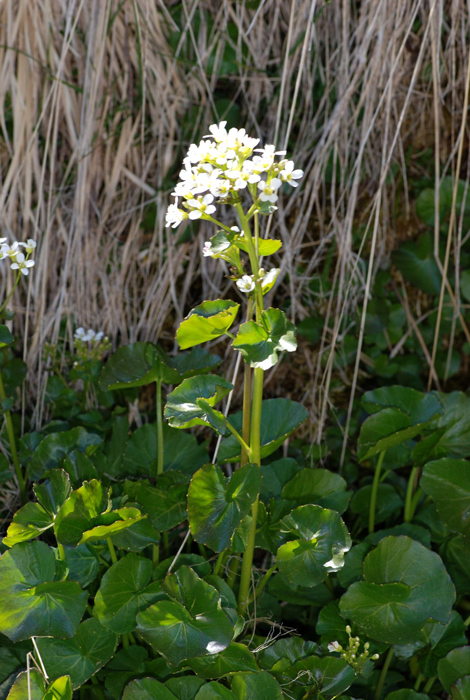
[(255, 450), (233, 571), (155, 554), (419, 680), (112, 551), (373, 493), (247, 396), (132, 639), (259, 588), (160, 443), (61, 550), (220, 563), (256, 220), (429, 684), (12, 441), (467, 622), (18, 277), (383, 673), (125, 640), (98, 690), (408, 514), (239, 438)]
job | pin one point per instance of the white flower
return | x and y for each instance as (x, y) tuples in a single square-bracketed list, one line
[(335, 646), (242, 178), (220, 188), (290, 175), (268, 192), (270, 277), (10, 251), (207, 249), (174, 216), (200, 206), (29, 246), (22, 264), (90, 334), (218, 132), (246, 284)]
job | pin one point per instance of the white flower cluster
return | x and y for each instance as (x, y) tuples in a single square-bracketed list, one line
[(247, 282), (85, 336), (19, 261), (223, 164)]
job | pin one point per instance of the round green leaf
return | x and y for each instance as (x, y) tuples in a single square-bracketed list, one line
[(447, 481), (29, 522), (235, 658), (165, 503), (182, 409), (6, 337), (112, 523), (60, 689), (319, 487), (32, 601), (214, 691), (23, 684), (184, 687), (329, 676), (256, 686), (216, 505), (406, 694), (455, 665), (83, 564), (80, 657), (404, 585), (266, 246), (197, 361), (319, 547), (192, 624), (461, 689), (416, 262), (147, 689), (208, 321), (55, 446), (137, 365), (54, 490), (419, 406), (182, 452), (279, 419), (260, 343), (124, 591), (385, 429)]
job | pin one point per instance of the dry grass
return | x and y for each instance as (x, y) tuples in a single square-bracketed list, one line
[(99, 97)]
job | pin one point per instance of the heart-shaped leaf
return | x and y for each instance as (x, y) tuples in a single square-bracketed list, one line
[(29, 522), (216, 505), (416, 262), (260, 343), (182, 452), (90, 649), (447, 481), (56, 446), (279, 419), (192, 624), (183, 410), (455, 665), (214, 691), (27, 686), (385, 429), (208, 321), (184, 687), (125, 591), (6, 337), (137, 365), (327, 677), (451, 438), (256, 686), (165, 503), (147, 689), (54, 490), (234, 659), (404, 586), (319, 547), (320, 487), (60, 689), (32, 601), (419, 406)]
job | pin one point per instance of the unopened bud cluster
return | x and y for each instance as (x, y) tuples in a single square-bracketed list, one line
[(90, 345), (351, 654)]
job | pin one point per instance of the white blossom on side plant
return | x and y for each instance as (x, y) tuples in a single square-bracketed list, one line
[(246, 284), (20, 263)]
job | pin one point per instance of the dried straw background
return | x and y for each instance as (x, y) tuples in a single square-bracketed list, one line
[(95, 101)]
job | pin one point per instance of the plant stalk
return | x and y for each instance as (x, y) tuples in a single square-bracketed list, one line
[(409, 511), (384, 671), (373, 494), (112, 551), (14, 451), (255, 449), (159, 416)]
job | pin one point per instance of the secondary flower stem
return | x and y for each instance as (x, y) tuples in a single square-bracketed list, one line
[(373, 493), (409, 511), (14, 451), (160, 443), (235, 432), (112, 551), (18, 277), (255, 449), (383, 673), (262, 583), (247, 396)]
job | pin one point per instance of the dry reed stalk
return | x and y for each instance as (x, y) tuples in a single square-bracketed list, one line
[(96, 97)]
